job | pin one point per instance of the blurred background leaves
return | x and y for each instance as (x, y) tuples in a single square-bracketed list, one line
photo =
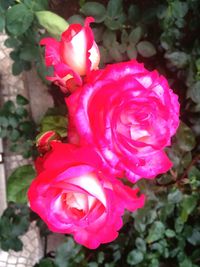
[(165, 36)]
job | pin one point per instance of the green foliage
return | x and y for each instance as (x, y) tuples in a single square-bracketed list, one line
[(19, 182), (146, 49), (65, 257), (115, 16), (135, 257), (135, 35), (94, 9), (13, 223), (53, 23), (22, 101), (18, 19), (16, 126), (163, 35), (119, 39), (156, 232), (55, 123), (22, 21), (45, 263)]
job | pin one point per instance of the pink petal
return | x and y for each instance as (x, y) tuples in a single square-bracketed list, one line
[(52, 55)]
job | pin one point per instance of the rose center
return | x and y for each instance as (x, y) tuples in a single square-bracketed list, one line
[(74, 204), (135, 125)]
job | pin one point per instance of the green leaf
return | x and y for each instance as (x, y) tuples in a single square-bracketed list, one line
[(9, 106), (54, 24), (76, 19), (134, 13), (178, 59), (166, 211), (18, 19), (64, 255), (45, 263), (115, 52), (112, 264), (21, 112), (112, 24), (194, 239), (188, 205), (140, 244), (178, 225), (104, 55), (13, 223), (93, 264), (146, 49), (94, 9), (134, 257), (19, 182), (124, 37), (195, 255), (26, 154), (131, 51), (29, 53), (194, 92), (14, 244), (115, 8), (5, 4), (179, 9), (185, 138), (12, 42), (186, 263), (135, 35), (4, 121), (186, 159), (20, 225), (156, 232), (170, 233), (17, 68), (154, 263), (175, 197), (14, 135), (14, 55), (2, 22), (101, 257), (21, 100), (109, 38), (27, 128), (37, 5), (160, 247), (3, 132), (115, 16), (55, 123), (197, 64), (194, 177)]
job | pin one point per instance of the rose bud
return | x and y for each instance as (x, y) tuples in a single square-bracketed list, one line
[(75, 55), (43, 142)]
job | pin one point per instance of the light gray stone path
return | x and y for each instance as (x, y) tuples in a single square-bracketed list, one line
[(30, 86), (32, 251), (10, 86)]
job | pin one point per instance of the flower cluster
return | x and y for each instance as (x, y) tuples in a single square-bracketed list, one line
[(120, 120)]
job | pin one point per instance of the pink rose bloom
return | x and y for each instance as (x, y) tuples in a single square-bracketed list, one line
[(73, 56), (129, 114), (73, 196)]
